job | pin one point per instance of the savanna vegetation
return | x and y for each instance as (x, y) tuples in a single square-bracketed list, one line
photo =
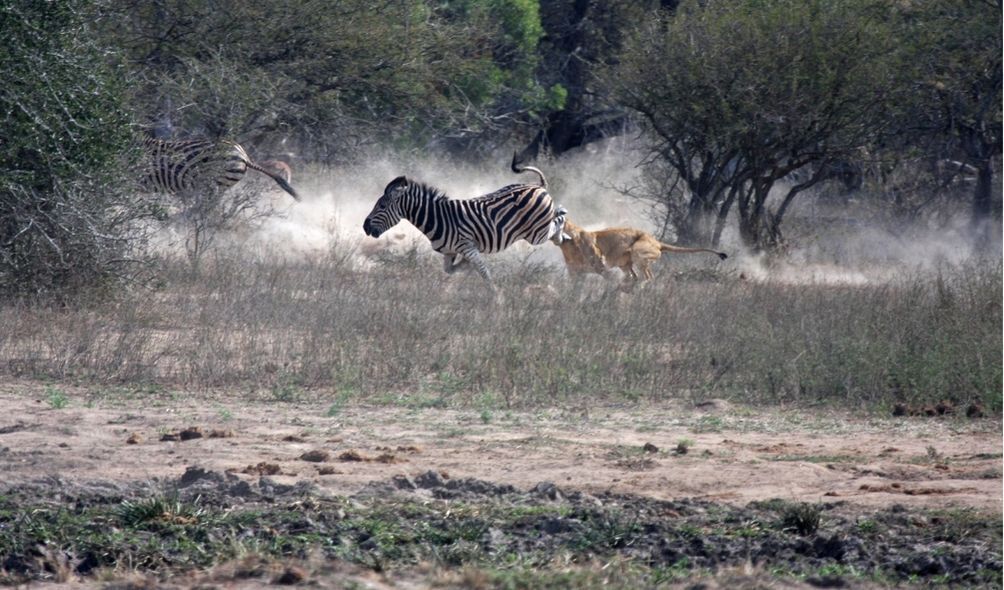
[(494, 537), (742, 107), (326, 325), (736, 112)]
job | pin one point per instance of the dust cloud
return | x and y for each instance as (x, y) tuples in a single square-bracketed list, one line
[(335, 201), (830, 243)]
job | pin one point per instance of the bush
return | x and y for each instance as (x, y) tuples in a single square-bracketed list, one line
[(408, 334), (65, 218)]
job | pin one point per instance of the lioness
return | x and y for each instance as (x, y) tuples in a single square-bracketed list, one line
[(631, 250), (279, 167)]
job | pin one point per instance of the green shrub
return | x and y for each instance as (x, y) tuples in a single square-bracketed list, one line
[(64, 214)]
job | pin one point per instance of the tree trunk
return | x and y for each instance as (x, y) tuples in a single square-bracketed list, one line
[(723, 216), (698, 228), (982, 219), (757, 230), (749, 232)]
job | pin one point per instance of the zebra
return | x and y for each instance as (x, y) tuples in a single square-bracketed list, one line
[(463, 230), (187, 166)]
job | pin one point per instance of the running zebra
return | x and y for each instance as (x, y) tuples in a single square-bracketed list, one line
[(463, 230), (189, 166)]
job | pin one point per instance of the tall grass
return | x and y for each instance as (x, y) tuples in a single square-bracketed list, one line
[(405, 330)]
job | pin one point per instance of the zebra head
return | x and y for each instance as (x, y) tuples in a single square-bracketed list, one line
[(387, 211)]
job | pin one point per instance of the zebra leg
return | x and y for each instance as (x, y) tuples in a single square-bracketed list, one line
[(470, 253), (452, 262), (556, 232)]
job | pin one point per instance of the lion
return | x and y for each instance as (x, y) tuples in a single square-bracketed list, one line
[(279, 167), (631, 250)]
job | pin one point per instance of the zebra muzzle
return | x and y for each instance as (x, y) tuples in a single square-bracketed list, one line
[(370, 230)]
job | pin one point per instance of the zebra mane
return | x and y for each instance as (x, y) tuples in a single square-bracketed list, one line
[(437, 194), (427, 190)]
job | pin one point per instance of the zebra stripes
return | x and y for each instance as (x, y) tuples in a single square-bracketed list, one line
[(196, 165), (463, 230)]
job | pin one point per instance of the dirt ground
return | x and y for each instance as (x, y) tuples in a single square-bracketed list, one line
[(732, 454)]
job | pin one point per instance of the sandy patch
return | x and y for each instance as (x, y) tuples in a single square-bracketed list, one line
[(734, 455)]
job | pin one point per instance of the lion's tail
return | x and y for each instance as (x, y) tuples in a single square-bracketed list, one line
[(682, 250)]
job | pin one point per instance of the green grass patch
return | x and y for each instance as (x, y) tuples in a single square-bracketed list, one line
[(506, 542), (56, 398)]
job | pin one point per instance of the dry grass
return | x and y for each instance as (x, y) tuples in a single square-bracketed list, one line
[(404, 331)]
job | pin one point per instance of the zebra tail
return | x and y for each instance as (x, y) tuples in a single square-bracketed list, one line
[(278, 179), (518, 169)]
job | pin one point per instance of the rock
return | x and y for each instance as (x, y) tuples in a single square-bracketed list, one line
[(584, 498), (548, 490), (553, 526), (430, 479), (713, 405), (304, 487), (190, 433), (832, 548), (315, 456), (240, 489), (262, 468), (270, 487), (403, 482), (473, 486), (928, 565), (194, 473)]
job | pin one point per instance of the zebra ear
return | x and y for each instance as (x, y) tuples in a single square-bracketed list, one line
[(399, 182)]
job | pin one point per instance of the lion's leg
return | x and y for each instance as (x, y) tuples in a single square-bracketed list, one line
[(642, 258), (630, 277), (591, 253)]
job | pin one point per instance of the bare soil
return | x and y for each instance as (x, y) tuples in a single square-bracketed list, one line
[(715, 452)]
